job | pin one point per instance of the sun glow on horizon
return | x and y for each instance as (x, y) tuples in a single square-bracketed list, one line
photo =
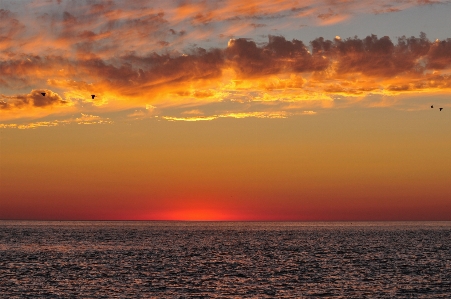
[(225, 110), (199, 215)]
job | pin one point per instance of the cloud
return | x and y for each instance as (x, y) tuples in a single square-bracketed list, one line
[(278, 56), (439, 55), (280, 70), (330, 17), (155, 53), (33, 99), (190, 119), (374, 56), (10, 29), (132, 74), (309, 112), (83, 119), (193, 112), (106, 29), (239, 115)]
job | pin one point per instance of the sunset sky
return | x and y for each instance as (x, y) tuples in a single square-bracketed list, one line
[(225, 110)]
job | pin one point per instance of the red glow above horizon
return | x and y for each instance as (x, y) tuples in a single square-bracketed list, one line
[(197, 215), (225, 110)]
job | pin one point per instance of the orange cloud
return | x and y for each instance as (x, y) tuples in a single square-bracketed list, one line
[(281, 70), (330, 17), (10, 29), (116, 52), (258, 114), (107, 29), (84, 119), (37, 98)]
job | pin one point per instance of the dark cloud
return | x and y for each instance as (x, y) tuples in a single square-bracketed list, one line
[(204, 19), (379, 57), (371, 56), (9, 26), (24, 71), (246, 57), (103, 7), (385, 10), (326, 16), (87, 35), (439, 55), (163, 43), (68, 19), (131, 74), (102, 29), (428, 2), (33, 99), (145, 25), (278, 55), (257, 25), (300, 9)]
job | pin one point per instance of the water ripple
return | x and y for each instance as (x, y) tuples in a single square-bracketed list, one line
[(224, 260)]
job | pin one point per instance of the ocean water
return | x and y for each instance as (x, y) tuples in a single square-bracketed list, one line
[(225, 260)]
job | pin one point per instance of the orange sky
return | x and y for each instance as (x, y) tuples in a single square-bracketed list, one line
[(231, 110)]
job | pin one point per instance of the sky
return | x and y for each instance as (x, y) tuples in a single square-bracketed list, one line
[(225, 110)]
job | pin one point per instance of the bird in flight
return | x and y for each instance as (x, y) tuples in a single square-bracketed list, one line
[(43, 93), (432, 106), (440, 109), (93, 96)]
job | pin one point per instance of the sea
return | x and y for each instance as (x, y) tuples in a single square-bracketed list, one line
[(170, 259)]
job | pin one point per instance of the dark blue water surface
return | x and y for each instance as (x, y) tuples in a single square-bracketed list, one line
[(225, 260)]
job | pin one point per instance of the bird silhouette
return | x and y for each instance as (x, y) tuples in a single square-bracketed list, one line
[(432, 106), (93, 96), (440, 109), (43, 93)]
